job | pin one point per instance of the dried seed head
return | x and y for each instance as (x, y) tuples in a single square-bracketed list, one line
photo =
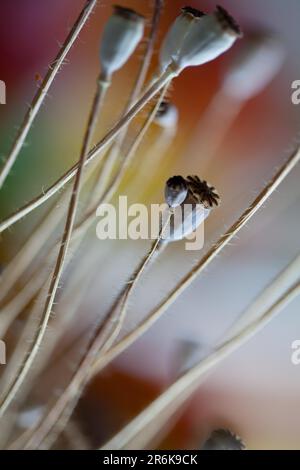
[(192, 12), (127, 13), (258, 60), (227, 22), (192, 201), (175, 36), (176, 191), (167, 115), (223, 439), (122, 33), (207, 39), (202, 192)]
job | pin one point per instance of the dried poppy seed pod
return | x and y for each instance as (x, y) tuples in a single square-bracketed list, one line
[(176, 34), (259, 59), (209, 38), (122, 33), (175, 191), (167, 116), (222, 439), (202, 192), (193, 211)]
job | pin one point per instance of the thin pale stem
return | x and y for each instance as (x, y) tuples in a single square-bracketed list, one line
[(157, 414), (106, 334), (155, 315), (127, 160), (124, 300), (103, 360), (58, 270), (105, 142), (18, 265), (88, 219), (44, 88), (113, 154), (230, 234), (17, 304)]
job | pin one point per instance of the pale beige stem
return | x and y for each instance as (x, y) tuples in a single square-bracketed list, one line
[(58, 270), (124, 300), (155, 315), (23, 344), (18, 265), (17, 304), (105, 142), (44, 88), (163, 408), (104, 337), (110, 162)]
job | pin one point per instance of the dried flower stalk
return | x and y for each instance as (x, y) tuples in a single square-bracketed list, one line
[(44, 88), (161, 409)]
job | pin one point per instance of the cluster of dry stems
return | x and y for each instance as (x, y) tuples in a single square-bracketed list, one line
[(35, 297)]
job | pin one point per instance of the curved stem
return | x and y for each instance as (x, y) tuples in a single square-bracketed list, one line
[(14, 387), (106, 170), (161, 409), (44, 88), (105, 142), (102, 340)]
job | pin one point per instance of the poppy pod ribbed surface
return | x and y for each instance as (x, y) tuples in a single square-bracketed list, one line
[(122, 33)]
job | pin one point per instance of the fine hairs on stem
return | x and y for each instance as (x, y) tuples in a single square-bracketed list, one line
[(139, 82), (113, 154), (129, 34), (13, 389), (202, 42), (132, 285), (161, 409), (156, 313), (44, 88), (21, 261), (105, 334), (168, 75), (101, 361)]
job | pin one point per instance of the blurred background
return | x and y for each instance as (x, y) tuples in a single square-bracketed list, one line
[(256, 391)]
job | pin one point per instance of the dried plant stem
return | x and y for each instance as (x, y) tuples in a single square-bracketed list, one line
[(162, 409), (34, 244), (124, 299), (102, 361), (13, 389), (13, 308), (280, 176), (114, 152), (105, 335), (127, 160), (44, 88), (18, 265), (23, 344), (29, 290), (105, 142), (17, 304)]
